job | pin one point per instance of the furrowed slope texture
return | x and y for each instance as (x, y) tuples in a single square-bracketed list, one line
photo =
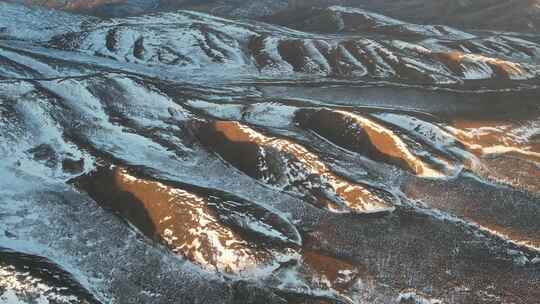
[(382, 48), (180, 157)]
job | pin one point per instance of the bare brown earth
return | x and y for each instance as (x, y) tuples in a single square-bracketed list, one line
[(180, 157)]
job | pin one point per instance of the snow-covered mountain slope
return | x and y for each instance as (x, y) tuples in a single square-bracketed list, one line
[(117, 8), (505, 15), (335, 19), (387, 50), (181, 157)]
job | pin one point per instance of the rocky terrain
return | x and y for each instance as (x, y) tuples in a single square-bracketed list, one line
[(506, 15), (502, 15), (348, 157)]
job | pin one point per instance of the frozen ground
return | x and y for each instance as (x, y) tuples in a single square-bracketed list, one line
[(182, 157)]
